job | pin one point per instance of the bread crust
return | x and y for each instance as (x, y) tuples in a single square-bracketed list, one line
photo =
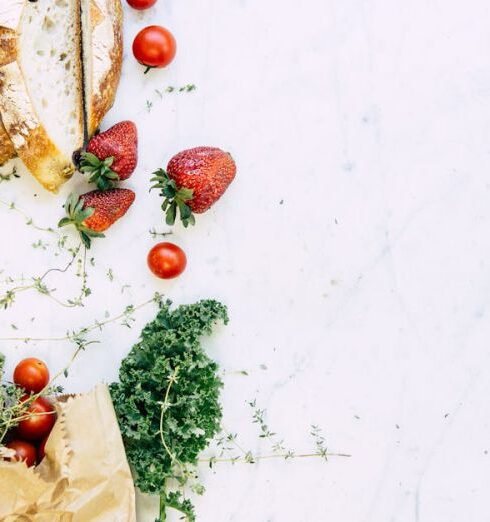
[(29, 137), (9, 19), (7, 149), (8, 53), (106, 18)]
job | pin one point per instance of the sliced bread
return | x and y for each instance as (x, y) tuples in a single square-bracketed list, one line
[(50, 59), (102, 57), (51, 102), (40, 97)]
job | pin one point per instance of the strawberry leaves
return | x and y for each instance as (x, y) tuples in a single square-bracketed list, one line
[(175, 198), (99, 171), (76, 216)]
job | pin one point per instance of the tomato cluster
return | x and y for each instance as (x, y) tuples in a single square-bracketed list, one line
[(29, 437)]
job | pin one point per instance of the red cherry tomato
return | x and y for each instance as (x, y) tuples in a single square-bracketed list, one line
[(40, 423), (23, 452), (41, 453), (167, 260), (31, 374), (141, 4), (154, 46)]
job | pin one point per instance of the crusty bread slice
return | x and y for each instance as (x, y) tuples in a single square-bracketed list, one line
[(102, 57), (50, 59), (40, 95), (33, 145), (7, 54), (7, 149)]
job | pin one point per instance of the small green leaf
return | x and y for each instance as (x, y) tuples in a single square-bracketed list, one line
[(171, 214), (93, 233), (112, 175), (65, 221), (185, 194), (89, 158), (85, 214), (185, 211), (169, 191), (85, 240), (87, 168)]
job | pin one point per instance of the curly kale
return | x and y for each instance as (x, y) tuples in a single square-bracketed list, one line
[(167, 400)]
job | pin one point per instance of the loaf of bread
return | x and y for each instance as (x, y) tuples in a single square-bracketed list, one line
[(60, 62)]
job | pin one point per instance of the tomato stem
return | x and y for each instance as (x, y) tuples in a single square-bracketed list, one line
[(148, 68)]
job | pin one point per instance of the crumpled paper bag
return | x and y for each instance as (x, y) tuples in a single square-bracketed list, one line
[(84, 477)]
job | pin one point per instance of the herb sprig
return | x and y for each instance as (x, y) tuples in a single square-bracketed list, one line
[(10, 286)]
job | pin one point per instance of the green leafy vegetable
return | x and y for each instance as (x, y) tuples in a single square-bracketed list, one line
[(167, 401)]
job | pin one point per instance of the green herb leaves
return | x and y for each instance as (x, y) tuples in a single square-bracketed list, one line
[(167, 400)]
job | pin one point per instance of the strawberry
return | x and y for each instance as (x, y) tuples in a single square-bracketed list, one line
[(194, 180), (111, 155), (96, 211)]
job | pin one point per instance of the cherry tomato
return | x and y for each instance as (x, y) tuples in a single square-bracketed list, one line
[(141, 4), (167, 260), (31, 374), (40, 424), (154, 46), (23, 452), (41, 453)]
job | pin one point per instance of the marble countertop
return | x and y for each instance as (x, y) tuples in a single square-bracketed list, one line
[(352, 250)]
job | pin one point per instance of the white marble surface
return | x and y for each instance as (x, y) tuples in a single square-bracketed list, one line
[(365, 293)]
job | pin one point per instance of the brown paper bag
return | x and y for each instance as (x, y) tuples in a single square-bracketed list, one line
[(84, 477)]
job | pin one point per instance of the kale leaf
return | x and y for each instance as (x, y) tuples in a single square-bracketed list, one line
[(167, 400)]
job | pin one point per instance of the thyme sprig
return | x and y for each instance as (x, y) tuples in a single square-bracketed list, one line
[(29, 221), (77, 256), (160, 93), (78, 336), (228, 445), (38, 283)]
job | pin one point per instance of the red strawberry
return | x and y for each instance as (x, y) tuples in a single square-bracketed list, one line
[(195, 179), (96, 211), (111, 155)]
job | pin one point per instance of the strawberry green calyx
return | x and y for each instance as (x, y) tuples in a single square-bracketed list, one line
[(99, 171), (175, 198), (76, 216)]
